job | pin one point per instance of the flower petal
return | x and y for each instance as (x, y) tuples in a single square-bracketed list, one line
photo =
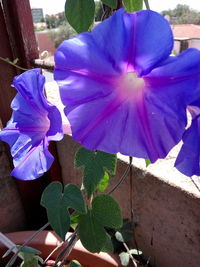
[(152, 40), (135, 129), (77, 88), (114, 38), (75, 55), (134, 43), (188, 158), (148, 127), (26, 85), (176, 82), (33, 124), (138, 42), (141, 116), (37, 161)]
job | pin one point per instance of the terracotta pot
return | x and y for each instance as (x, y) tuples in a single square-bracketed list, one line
[(46, 241)]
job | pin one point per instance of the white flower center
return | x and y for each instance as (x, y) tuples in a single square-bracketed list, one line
[(132, 82), (130, 85)]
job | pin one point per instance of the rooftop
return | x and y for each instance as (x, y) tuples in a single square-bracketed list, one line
[(186, 31)]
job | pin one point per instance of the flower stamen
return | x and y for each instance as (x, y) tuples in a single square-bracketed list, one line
[(130, 85)]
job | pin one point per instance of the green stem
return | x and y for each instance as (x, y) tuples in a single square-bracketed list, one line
[(147, 4), (123, 176), (71, 240), (130, 255), (11, 63)]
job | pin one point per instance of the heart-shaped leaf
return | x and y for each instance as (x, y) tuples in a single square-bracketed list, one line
[(57, 203), (108, 246), (73, 198), (95, 164), (133, 5), (80, 14), (57, 213), (104, 212), (91, 233), (107, 211)]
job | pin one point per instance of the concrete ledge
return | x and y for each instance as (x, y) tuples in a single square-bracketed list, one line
[(164, 205), (167, 219)]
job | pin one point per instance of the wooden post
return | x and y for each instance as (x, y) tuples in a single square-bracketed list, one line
[(19, 24), (7, 72)]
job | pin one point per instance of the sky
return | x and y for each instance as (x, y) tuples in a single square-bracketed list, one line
[(53, 7)]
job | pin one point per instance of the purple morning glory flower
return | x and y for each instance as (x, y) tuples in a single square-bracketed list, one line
[(122, 90), (33, 124), (188, 158)]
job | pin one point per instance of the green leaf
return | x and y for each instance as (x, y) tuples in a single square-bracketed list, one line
[(148, 162), (39, 259), (107, 161), (73, 198), (95, 164), (34, 263), (57, 203), (125, 233), (106, 211), (91, 233), (57, 213), (51, 194), (104, 182), (75, 263), (74, 220), (80, 14), (124, 257), (110, 3), (28, 254), (135, 252), (83, 157), (27, 249), (15, 60), (8, 251), (108, 247), (29, 259), (133, 5)]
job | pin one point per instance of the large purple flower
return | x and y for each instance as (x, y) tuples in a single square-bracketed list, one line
[(122, 91), (188, 160), (33, 124)]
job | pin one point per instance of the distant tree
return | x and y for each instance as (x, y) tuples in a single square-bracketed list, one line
[(183, 14), (53, 21), (63, 32), (50, 21), (60, 18)]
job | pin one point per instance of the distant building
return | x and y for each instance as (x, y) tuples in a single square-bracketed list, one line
[(37, 14), (186, 36)]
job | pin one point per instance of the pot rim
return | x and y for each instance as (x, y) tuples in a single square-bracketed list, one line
[(51, 240)]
